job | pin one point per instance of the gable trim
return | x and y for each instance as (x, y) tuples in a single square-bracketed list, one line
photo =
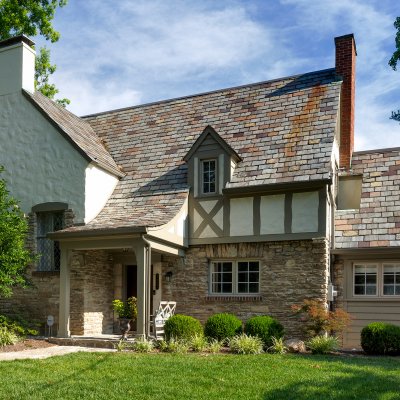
[(209, 130)]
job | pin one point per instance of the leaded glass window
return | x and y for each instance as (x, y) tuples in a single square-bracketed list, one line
[(48, 250)]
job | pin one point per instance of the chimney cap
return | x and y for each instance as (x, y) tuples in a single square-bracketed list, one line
[(344, 37), (17, 39)]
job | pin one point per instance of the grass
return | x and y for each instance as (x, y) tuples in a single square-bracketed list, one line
[(192, 376)]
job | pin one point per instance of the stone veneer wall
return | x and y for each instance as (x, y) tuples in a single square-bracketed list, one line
[(43, 297), (290, 272), (338, 282), (92, 293)]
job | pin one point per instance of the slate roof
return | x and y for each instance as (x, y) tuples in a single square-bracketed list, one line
[(76, 130), (377, 222), (283, 130)]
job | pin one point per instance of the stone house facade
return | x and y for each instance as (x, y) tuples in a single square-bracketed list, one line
[(244, 200)]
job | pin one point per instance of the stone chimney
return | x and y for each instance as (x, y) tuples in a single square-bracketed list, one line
[(345, 66), (17, 65)]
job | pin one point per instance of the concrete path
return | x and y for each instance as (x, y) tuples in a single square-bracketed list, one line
[(47, 352)]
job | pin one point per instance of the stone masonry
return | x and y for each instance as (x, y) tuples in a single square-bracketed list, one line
[(42, 298), (92, 292), (290, 272)]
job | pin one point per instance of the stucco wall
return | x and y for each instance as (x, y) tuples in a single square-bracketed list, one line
[(290, 272), (41, 166)]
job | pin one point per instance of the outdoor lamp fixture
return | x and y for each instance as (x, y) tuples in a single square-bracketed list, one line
[(168, 276)]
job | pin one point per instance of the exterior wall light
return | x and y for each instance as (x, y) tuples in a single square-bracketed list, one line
[(168, 276)]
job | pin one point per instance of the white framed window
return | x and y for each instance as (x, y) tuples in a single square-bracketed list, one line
[(365, 279), (391, 279), (239, 277), (376, 279), (208, 176)]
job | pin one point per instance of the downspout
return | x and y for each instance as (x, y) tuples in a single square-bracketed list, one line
[(148, 289), (332, 241)]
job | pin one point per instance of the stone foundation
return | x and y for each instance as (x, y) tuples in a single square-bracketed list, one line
[(290, 272)]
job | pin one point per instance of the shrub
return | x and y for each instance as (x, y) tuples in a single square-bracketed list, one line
[(162, 345), (180, 346), (214, 346), (18, 325), (222, 326), (142, 345), (381, 338), (318, 320), (278, 346), (323, 344), (265, 328), (7, 337), (182, 327), (198, 343), (243, 344)]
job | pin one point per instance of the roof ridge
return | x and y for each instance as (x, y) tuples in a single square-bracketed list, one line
[(249, 85)]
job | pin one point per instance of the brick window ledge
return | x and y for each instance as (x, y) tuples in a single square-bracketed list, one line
[(234, 298)]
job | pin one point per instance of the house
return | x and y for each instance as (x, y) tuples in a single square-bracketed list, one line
[(243, 200)]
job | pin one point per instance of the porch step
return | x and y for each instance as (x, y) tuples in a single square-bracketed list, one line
[(106, 342)]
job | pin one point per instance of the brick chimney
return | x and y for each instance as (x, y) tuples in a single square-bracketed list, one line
[(345, 66), (17, 65)]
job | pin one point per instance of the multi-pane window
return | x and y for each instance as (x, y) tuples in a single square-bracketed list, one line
[(48, 250), (391, 279), (208, 174), (365, 279), (376, 279), (235, 277)]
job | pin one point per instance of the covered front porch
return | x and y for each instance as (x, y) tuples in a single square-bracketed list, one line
[(107, 265)]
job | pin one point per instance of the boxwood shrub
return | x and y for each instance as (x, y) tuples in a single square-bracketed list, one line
[(222, 326), (381, 338), (182, 327), (265, 327)]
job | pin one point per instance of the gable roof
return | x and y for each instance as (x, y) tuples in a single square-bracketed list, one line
[(377, 222), (209, 130), (77, 131), (283, 130)]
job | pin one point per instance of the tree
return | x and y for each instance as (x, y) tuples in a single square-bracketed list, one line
[(31, 17), (14, 257), (394, 60)]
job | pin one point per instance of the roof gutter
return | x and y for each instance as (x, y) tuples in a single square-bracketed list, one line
[(96, 233), (277, 187)]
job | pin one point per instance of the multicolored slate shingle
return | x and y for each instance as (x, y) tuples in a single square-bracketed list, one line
[(377, 222)]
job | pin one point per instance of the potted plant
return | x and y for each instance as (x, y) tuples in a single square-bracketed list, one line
[(127, 312)]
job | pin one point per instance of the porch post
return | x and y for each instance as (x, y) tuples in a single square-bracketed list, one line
[(141, 261), (63, 320)]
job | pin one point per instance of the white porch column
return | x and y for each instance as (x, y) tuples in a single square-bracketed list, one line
[(64, 307), (142, 288)]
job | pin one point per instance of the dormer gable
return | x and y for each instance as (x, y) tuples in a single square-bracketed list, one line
[(211, 162)]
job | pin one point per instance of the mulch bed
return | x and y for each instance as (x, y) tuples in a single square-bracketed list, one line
[(27, 344)]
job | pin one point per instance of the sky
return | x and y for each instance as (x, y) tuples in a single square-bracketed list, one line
[(120, 53)]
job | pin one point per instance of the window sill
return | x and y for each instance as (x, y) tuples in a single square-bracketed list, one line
[(45, 273), (373, 298), (233, 298)]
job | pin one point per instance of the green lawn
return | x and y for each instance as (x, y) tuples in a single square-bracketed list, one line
[(191, 376)]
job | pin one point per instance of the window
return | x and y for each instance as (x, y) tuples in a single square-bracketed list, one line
[(235, 277), (48, 249), (365, 280), (208, 176), (391, 279), (375, 279)]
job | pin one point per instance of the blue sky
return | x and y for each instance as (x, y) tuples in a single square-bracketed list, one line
[(119, 53)]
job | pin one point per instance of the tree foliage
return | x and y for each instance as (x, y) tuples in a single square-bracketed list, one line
[(394, 60), (33, 17), (14, 257)]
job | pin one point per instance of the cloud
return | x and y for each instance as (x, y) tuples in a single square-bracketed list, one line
[(118, 53)]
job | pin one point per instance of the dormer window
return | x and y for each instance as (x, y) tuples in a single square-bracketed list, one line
[(208, 175)]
